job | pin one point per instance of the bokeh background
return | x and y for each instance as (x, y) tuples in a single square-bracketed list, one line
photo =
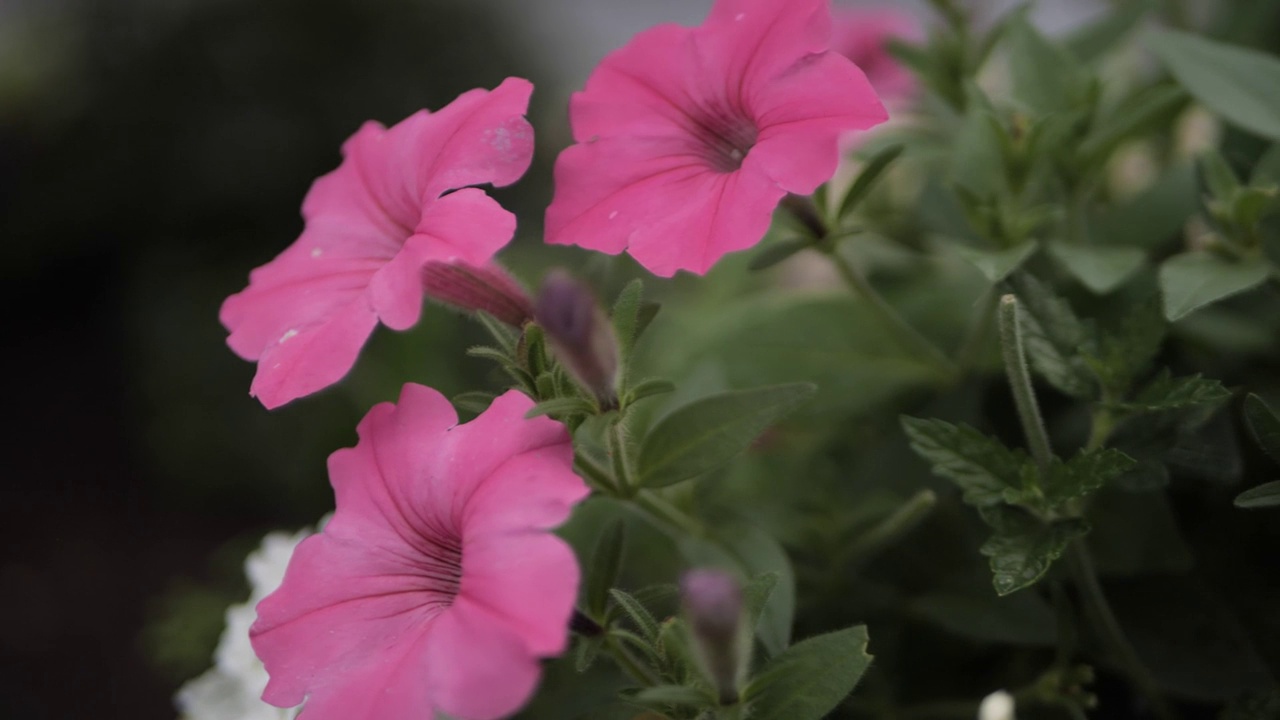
[(151, 153)]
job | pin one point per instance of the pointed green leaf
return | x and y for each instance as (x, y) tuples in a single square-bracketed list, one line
[(755, 595), (1097, 39), (642, 618), (1084, 473), (996, 265), (605, 563), (1045, 77), (1237, 83), (561, 407), (587, 652), (1141, 113), (626, 315), (709, 432), (476, 402), (502, 333), (981, 466), (1023, 548), (1264, 424), (811, 678), (489, 353), (1128, 345), (676, 695), (1265, 495), (649, 388), (1216, 174), (1101, 268), (1166, 392), (871, 172)]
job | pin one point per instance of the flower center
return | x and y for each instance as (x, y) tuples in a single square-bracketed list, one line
[(440, 563), (724, 137)]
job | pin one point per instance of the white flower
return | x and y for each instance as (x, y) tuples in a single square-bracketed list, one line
[(232, 689), (996, 706)]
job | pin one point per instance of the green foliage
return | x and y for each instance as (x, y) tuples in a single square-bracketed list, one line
[(1237, 83), (1084, 473), (606, 562), (982, 467), (1265, 495), (1166, 392), (996, 265), (1101, 268), (1023, 548), (808, 680), (709, 432), (866, 180), (1054, 338), (1264, 424)]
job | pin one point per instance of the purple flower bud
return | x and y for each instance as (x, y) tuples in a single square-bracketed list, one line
[(713, 605), (580, 334), (470, 288)]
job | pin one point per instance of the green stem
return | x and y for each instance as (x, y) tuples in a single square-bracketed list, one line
[(596, 474), (666, 516), (902, 520), (1104, 620), (629, 663), (1024, 396), (907, 335), (1103, 423), (620, 458)]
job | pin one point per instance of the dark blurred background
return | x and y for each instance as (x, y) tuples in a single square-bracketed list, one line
[(151, 153)]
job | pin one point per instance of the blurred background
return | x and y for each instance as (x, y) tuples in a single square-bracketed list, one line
[(152, 152)]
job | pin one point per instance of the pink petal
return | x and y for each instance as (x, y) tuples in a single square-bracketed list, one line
[(478, 669), (344, 614), (389, 486), (500, 570), (752, 41), (668, 210), (465, 226), (801, 121)]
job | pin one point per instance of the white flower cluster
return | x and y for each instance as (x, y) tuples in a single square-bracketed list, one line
[(232, 689)]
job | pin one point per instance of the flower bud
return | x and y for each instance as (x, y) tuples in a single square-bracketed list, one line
[(712, 601), (580, 335), (489, 289)]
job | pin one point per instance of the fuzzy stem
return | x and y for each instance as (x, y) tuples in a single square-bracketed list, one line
[(629, 663), (1024, 396), (1104, 620), (620, 458)]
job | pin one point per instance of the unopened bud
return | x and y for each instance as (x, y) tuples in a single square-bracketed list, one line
[(713, 604), (487, 288), (580, 335)]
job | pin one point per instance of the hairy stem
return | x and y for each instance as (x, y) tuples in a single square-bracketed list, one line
[(1024, 396)]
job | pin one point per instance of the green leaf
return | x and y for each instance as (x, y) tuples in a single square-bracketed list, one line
[(811, 678), (1265, 495), (982, 466), (561, 407), (605, 563), (476, 402), (977, 156), (1095, 40), (1101, 268), (996, 265), (675, 695), (1045, 77), (626, 316), (642, 618), (1084, 473), (709, 432), (1127, 347), (1267, 171), (1023, 548), (1166, 392), (649, 388), (1264, 424), (1141, 113), (1055, 338), (1022, 619), (774, 253), (588, 651), (1237, 83), (502, 333), (755, 595), (1216, 174), (489, 353), (871, 172)]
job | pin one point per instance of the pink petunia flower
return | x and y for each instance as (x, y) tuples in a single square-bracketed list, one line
[(687, 138), (862, 34), (371, 227), (437, 585)]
